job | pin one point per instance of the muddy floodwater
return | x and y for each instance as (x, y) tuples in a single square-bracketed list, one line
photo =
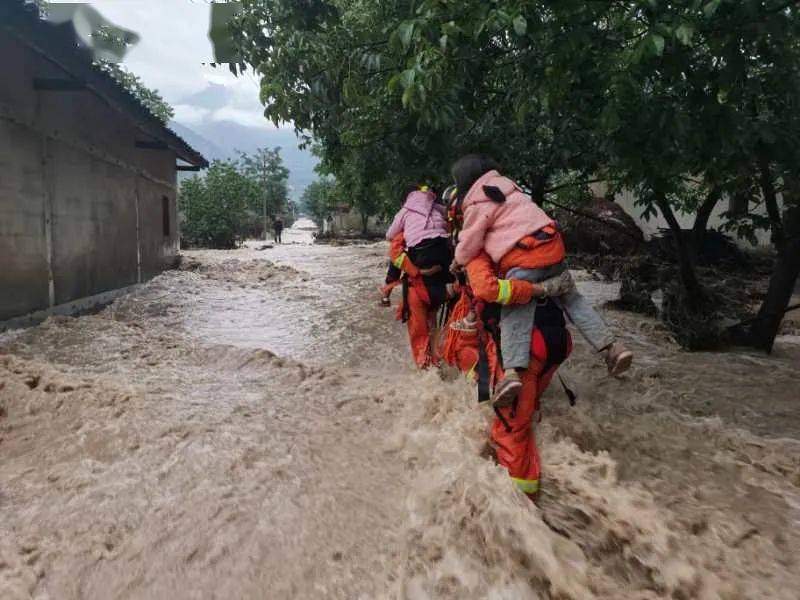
[(250, 426)]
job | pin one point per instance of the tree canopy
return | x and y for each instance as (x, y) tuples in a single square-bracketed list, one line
[(319, 199), (638, 90), (684, 102), (265, 167), (234, 199)]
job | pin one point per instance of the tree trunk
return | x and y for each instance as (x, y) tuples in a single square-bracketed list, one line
[(364, 223), (688, 275), (781, 284), (266, 227), (771, 202), (701, 220), (538, 185)]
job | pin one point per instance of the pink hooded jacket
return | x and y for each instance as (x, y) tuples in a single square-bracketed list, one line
[(497, 227), (421, 218)]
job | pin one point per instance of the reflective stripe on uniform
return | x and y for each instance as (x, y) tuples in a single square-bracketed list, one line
[(503, 291), (471, 372), (398, 262), (527, 486)]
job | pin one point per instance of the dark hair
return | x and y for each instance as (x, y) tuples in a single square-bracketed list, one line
[(468, 169)]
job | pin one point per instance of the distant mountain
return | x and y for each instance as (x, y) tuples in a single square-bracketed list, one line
[(213, 96), (204, 146), (230, 137)]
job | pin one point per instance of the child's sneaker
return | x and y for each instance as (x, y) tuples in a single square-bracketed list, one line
[(507, 390), (618, 359)]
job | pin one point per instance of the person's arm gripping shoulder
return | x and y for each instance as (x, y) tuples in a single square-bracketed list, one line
[(486, 286), (399, 258)]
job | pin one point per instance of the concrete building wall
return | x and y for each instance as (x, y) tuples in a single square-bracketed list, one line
[(78, 199), (23, 251), (94, 224), (350, 222), (627, 200), (159, 251)]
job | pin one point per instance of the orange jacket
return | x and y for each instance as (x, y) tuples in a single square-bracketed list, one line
[(530, 253), (399, 258), (486, 286)]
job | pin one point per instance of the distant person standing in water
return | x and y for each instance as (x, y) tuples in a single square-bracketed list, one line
[(277, 226)]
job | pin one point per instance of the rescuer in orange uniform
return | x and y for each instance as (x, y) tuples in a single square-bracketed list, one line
[(417, 309), (476, 352), (512, 434)]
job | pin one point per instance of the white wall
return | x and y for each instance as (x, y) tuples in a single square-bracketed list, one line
[(627, 200)]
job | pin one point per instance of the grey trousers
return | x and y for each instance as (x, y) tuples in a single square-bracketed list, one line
[(516, 321)]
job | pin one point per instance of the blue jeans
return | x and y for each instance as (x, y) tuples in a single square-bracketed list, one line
[(516, 321)]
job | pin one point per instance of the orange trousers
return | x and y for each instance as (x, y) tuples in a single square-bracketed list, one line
[(516, 449), (421, 323)]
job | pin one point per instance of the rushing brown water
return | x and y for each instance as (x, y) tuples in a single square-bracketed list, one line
[(251, 427)]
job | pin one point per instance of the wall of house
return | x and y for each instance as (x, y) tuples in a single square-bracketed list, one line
[(627, 200), (23, 252), (81, 208), (350, 222)]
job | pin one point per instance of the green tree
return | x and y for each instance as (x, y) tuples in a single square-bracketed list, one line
[(267, 170), (707, 107), (319, 200), (214, 207), (683, 102)]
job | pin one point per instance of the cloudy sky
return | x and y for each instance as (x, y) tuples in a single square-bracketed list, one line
[(170, 55)]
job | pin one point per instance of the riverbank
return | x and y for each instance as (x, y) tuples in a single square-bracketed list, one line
[(252, 427)]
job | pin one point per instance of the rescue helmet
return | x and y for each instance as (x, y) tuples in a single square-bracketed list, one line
[(449, 195)]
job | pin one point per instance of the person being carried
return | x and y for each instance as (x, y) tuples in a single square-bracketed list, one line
[(525, 243), (423, 224)]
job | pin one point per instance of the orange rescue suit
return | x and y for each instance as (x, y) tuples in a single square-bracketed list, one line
[(420, 316), (516, 446)]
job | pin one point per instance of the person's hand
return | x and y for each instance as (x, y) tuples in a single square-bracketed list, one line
[(455, 268), (555, 286), (431, 270)]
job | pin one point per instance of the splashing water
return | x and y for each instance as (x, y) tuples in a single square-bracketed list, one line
[(250, 426)]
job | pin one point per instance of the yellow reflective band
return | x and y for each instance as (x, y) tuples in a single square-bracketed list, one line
[(503, 291), (471, 372), (398, 262), (527, 486)]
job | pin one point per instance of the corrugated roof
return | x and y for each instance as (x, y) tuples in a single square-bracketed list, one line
[(62, 47)]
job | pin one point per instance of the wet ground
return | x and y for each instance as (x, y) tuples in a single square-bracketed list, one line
[(250, 427)]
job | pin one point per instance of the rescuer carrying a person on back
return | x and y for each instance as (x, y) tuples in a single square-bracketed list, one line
[(525, 243), (476, 352), (420, 255)]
